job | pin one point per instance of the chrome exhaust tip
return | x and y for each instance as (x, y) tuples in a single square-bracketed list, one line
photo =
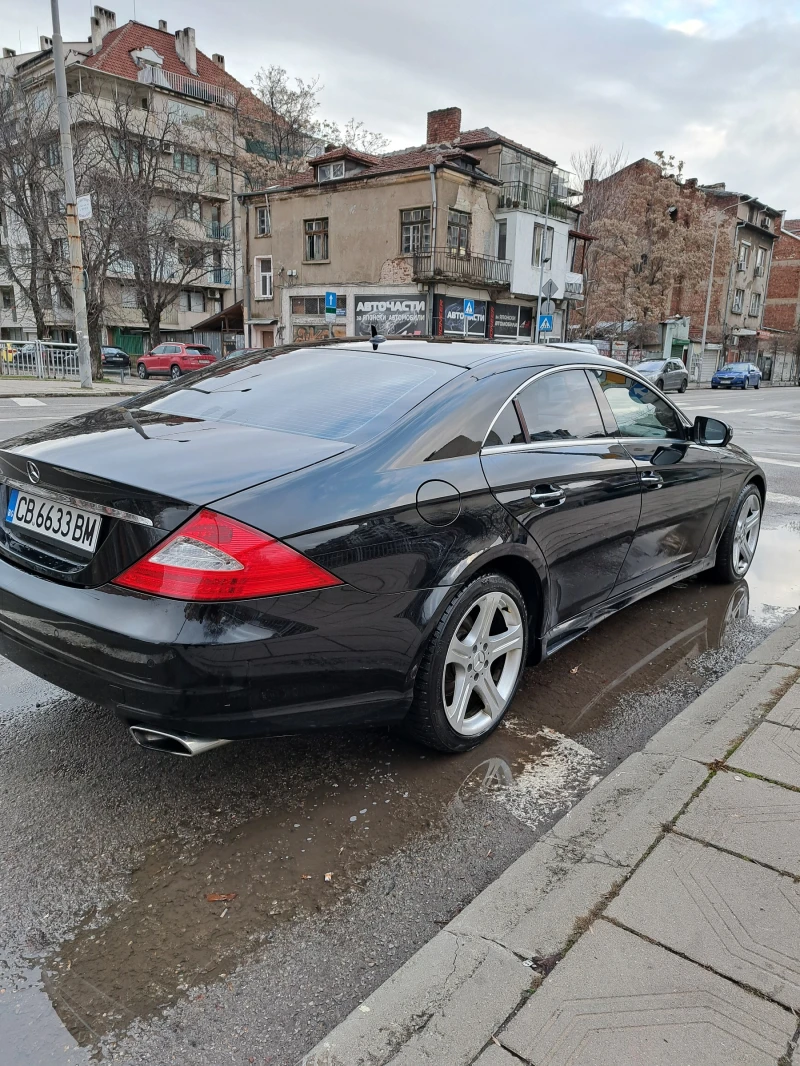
[(173, 743)]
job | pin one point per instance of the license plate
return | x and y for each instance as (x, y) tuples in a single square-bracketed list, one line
[(54, 521)]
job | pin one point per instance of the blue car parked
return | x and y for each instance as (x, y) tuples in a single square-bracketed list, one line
[(740, 375)]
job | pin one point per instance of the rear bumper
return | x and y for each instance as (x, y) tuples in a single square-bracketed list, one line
[(258, 667)]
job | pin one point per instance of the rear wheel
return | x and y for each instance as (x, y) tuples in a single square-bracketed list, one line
[(740, 539), (758, 384), (141, 370), (175, 371), (472, 666)]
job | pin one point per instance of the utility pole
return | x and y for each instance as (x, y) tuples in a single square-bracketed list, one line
[(73, 226), (542, 253)]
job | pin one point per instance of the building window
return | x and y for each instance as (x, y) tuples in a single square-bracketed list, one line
[(61, 248), (744, 255), (761, 260), (329, 171), (187, 162), (58, 201), (263, 226), (190, 300), (458, 223), (502, 238), (416, 230), (264, 277), (538, 234), (755, 303), (316, 239), (129, 298), (315, 305), (7, 296), (213, 168), (52, 153), (738, 301)]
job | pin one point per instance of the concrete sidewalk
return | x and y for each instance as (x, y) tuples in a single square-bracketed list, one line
[(657, 924), (18, 387)]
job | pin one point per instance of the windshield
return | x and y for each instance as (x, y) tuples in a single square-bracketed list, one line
[(336, 395), (737, 366), (644, 368)]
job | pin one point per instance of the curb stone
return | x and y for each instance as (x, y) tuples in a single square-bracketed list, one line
[(543, 903)]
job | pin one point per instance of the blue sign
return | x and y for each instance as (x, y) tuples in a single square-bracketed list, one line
[(469, 309), (545, 323), (330, 303)]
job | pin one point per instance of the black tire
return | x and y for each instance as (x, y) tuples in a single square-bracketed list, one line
[(660, 384), (427, 720), (684, 385), (141, 370), (724, 569), (175, 371), (757, 385), (715, 386), (746, 385)]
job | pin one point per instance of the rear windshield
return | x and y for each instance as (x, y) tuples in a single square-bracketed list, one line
[(334, 394), (199, 348)]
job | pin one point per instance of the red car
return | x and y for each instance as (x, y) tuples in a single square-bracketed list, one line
[(172, 360)]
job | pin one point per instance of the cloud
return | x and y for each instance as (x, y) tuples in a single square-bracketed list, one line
[(691, 27)]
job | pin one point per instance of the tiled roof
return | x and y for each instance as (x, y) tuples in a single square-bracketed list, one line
[(115, 57), (486, 135), (343, 152)]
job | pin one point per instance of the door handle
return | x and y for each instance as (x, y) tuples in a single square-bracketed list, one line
[(548, 495), (651, 480)]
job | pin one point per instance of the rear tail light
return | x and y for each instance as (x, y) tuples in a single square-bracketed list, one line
[(215, 558)]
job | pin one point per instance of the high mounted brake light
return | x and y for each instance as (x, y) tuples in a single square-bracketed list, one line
[(215, 558)]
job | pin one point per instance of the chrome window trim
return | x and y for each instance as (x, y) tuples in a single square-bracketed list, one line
[(74, 501), (628, 371), (547, 445)]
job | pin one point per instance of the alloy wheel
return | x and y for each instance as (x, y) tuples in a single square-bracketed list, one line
[(483, 662), (745, 539)]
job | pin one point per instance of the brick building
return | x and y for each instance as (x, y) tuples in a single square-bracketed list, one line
[(783, 295)]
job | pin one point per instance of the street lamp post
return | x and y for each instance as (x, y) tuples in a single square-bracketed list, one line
[(720, 213), (73, 226)]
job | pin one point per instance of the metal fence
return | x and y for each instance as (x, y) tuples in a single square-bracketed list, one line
[(39, 359)]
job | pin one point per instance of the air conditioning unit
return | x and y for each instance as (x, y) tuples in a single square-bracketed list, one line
[(741, 266), (214, 294), (167, 148)]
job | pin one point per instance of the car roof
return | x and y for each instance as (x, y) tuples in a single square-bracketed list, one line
[(489, 356)]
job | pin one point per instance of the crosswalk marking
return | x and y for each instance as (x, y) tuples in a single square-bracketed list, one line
[(774, 462), (27, 401)]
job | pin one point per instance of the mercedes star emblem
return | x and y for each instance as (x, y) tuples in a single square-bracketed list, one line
[(33, 473)]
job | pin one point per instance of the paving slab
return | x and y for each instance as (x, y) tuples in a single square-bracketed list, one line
[(616, 1000), (495, 1056), (787, 710), (772, 751), (782, 646), (442, 1006), (748, 816), (721, 911), (722, 714)]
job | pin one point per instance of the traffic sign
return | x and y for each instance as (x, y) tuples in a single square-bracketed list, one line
[(545, 323), (469, 309), (330, 303), (83, 206), (549, 288), (548, 307)]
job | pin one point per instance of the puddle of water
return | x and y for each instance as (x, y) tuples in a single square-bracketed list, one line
[(166, 938)]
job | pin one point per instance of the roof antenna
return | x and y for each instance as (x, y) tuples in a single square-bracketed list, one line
[(377, 338)]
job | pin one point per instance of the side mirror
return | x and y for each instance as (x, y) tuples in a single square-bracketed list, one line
[(711, 431)]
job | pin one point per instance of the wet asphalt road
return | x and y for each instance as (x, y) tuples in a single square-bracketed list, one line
[(109, 943)]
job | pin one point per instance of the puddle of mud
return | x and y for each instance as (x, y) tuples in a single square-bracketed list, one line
[(166, 938)]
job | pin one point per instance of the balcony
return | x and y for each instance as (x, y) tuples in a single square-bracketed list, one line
[(186, 86), (521, 196), (483, 270), (216, 231)]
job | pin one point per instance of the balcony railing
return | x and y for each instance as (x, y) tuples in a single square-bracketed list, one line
[(216, 231), (519, 195), (219, 276), (193, 87), (484, 270)]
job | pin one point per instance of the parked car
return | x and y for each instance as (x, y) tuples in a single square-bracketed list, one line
[(355, 534), (115, 358), (236, 352), (174, 359), (740, 375), (667, 374)]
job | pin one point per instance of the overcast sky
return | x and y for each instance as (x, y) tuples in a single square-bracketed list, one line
[(716, 82)]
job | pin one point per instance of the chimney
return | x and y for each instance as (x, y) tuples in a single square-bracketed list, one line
[(219, 60), (162, 25), (102, 22), (186, 48), (444, 126), (45, 43)]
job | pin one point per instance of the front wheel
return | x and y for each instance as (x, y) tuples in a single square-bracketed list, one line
[(175, 372), (745, 385), (141, 370), (660, 385), (472, 666), (757, 385), (740, 538), (684, 386)]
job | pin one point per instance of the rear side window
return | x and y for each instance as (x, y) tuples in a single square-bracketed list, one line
[(333, 394), (561, 407), (506, 429)]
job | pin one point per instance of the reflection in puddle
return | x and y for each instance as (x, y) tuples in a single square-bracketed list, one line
[(167, 938)]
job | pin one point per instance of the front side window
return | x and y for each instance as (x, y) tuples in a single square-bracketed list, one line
[(738, 301), (264, 277), (458, 224), (262, 222), (639, 411), (755, 303), (561, 406), (416, 230), (316, 239)]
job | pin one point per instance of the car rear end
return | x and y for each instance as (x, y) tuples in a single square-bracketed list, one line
[(195, 357)]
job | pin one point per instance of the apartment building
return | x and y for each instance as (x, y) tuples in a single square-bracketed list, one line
[(404, 237), (166, 83), (782, 310)]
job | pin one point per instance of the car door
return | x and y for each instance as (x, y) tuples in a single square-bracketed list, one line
[(156, 359), (675, 374), (755, 374), (680, 479), (550, 461)]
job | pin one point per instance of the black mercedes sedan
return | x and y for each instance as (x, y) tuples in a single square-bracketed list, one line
[(354, 533)]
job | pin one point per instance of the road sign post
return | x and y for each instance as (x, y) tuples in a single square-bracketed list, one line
[(545, 324), (330, 311), (469, 312)]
